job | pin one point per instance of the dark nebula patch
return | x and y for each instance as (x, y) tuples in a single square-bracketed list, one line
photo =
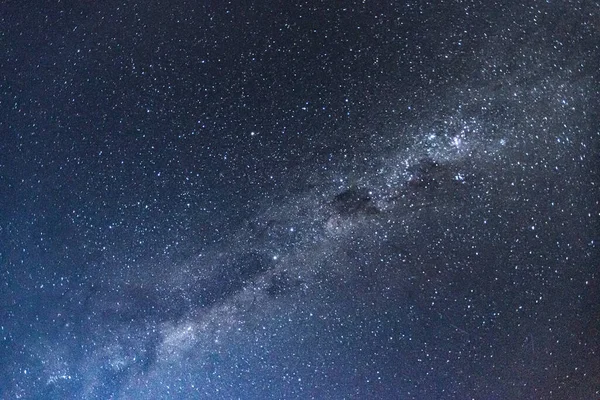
[(230, 278), (354, 201), (430, 174), (282, 284)]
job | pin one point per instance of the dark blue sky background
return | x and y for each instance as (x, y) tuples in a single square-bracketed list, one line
[(274, 199)]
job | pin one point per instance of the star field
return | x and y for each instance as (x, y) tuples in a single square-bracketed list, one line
[(299, 200)]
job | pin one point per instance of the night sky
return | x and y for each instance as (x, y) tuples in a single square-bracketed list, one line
[(300, 199)]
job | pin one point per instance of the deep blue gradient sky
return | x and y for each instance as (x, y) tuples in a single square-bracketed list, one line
[(299, 200)]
